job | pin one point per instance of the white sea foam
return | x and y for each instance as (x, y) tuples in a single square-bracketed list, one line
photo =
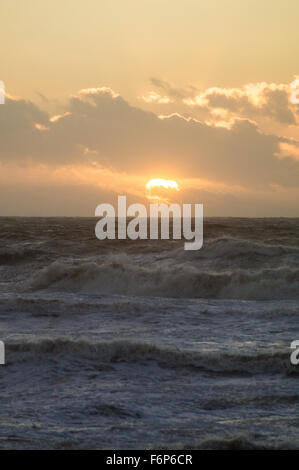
[(120, 275)]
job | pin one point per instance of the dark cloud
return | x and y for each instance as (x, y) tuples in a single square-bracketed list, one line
[(271, 102), (126, 138), (18, 136), (277, 106)]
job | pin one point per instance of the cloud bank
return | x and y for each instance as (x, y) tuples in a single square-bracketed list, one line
[(99, 127), (99, 123)]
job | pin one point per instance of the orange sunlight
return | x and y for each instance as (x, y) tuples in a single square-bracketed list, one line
[(161, 183)]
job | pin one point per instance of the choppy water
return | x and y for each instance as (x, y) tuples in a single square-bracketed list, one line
[(141, 344)]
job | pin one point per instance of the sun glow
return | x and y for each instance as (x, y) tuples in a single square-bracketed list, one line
[(161, 183)]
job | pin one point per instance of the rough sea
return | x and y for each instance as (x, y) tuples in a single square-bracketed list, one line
[(141, 344)]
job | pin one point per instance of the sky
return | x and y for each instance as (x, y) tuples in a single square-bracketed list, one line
[(104, 95)]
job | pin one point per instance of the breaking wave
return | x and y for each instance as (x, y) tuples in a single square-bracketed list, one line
[(117, 351), (230, 250), (122, 276)]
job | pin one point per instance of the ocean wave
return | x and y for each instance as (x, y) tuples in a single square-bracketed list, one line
[(17, 254), (56, 304), (223, 403), (236, 442), (118, 351), (227, 251), (122, 276), (49, 305)]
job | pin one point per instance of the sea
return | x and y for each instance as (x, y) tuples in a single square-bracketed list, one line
[(121, 344)]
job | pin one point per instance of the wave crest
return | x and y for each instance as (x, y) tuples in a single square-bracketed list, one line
[(122, 276), (117, 351)]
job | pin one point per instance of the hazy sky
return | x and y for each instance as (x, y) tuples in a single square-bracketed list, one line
[(103, 95)]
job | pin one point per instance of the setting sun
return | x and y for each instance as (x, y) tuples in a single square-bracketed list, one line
[(161, 183)]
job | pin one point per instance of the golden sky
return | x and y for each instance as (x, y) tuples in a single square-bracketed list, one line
[(60, 46), (196, 91)]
